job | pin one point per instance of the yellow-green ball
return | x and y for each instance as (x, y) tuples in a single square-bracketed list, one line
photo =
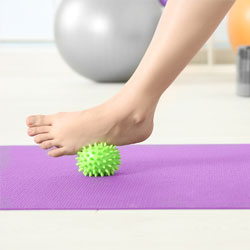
[(99, 159)]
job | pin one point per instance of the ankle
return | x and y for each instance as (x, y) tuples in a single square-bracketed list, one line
[(130, 102), (138, 93)]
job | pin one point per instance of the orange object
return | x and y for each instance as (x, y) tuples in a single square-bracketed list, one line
[(239, 24)]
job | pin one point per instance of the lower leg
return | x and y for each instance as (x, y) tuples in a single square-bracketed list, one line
[(183, 28)]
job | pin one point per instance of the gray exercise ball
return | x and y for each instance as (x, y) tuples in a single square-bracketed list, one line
[(105, 40)]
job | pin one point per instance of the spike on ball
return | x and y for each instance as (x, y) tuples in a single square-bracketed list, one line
[(98, 159)]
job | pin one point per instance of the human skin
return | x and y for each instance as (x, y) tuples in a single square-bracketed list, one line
[(128, 117)]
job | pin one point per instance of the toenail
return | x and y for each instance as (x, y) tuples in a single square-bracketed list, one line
[(31, 119), (30, 130)]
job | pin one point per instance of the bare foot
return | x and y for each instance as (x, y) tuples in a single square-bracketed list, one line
[(121, 120)]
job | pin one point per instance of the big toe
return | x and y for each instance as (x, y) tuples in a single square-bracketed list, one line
[(38, 120)]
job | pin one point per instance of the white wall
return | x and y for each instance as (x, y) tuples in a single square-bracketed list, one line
[(221, 36), (26, 19), (33, 19)]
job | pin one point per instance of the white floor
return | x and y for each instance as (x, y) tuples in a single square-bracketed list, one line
[(200, 107)]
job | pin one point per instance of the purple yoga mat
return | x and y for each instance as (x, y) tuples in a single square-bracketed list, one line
[(150, 177)]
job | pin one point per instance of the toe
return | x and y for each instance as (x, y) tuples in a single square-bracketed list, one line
[(38, 120), (38, 130), (43, 137), (48, 144), (57, 152)]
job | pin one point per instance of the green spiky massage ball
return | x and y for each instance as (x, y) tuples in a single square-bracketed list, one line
[(99, 159)]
